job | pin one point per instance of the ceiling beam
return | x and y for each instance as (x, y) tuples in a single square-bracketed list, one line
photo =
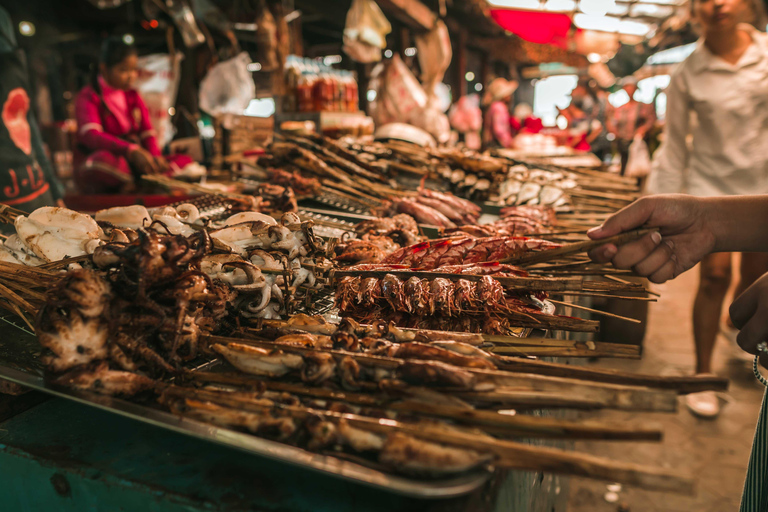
[(412, 13)]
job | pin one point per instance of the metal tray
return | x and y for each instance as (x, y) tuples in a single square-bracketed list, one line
[(19, 362)]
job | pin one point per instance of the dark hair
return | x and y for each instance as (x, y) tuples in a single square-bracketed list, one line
[(114, 50)]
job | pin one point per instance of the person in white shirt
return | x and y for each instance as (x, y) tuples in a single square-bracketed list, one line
[(725, 83)]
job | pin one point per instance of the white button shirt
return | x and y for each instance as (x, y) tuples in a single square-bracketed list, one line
[(729, 155)]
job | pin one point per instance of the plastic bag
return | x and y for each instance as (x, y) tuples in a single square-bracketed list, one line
[(639, 160), (365, 31), (434, 55), (399, 96), (465, 115), (228, 87), (158, 83)]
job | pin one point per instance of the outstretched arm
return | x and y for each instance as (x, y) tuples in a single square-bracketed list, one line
[(689, 229)]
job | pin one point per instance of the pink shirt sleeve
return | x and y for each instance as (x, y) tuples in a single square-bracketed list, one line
[(500, 124), (90, 130), (146, 130)]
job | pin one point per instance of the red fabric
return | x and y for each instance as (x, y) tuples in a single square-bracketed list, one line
[(533, 125), (92, 113), (536, 27), (100, 160)]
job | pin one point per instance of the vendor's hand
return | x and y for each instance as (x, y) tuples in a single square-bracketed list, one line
[(749, 313), (162, 164), (683, 239), (143, 161)]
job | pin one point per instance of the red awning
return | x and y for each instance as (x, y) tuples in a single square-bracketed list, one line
[(536, 27)]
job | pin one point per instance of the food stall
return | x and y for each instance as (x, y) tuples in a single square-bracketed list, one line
[(325, 322)]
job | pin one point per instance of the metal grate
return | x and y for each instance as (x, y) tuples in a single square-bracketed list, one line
[(211, 207), (348, 204), (320, 303)]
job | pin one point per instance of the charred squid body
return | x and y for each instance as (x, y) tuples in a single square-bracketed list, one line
[(319, 367), (435, 373), (73, 323), (73, 339), (264, 423), (105, 381), (418, 457), (258, 361), (54, 233), (131, 217)]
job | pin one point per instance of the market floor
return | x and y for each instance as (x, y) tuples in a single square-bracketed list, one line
[(715, 452)]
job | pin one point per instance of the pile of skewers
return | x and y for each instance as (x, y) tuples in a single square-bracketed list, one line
[(151, 302)]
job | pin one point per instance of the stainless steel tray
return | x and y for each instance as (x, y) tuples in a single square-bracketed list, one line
[(19, 362)]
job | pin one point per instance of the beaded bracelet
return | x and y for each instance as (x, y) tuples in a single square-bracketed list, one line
[(762, 347)]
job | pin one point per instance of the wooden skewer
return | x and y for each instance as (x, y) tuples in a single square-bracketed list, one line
[(583, 350), (606, 295), (577, 248), (490, 421), (683, 384), (624, 281), (507, 454), (606, 395), (596, 311), (67, 261)]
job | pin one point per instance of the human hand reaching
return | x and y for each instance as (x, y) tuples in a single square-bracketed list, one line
[(684, 236), (749, 313), (162, 165), (143, 161)]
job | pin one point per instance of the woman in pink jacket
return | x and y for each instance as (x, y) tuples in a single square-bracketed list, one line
[(116, 142)]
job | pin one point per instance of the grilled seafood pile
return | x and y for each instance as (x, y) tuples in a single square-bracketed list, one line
[(457, 250), (463, 305), (161, 282), (51, 234), (114, 331), (436, 209), (337, 429), (470, 174), (531, 186), (378, 238), (514, 221), (302, 186)]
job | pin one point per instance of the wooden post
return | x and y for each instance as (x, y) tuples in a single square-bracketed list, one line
[(485, 67), (363, 76), (403, 41), (460, 54)]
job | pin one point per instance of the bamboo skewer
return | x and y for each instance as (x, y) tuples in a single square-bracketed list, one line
[(8, 214), (682, 385), (498, 424), (508, 454), (605, 295), (581, 349), (596, 311), (607, 395), (531, 346), (577, 248)]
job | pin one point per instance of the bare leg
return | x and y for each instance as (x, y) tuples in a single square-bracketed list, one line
[(715, 278), (753, 266)]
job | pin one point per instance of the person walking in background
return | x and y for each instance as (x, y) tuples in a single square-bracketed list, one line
[(633, 119), (579, 113), (725, 82), (497, 131)]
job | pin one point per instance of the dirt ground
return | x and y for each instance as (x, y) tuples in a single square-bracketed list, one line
[(715, 452)]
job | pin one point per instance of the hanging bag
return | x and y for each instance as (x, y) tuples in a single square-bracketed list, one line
[(639, 160)]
